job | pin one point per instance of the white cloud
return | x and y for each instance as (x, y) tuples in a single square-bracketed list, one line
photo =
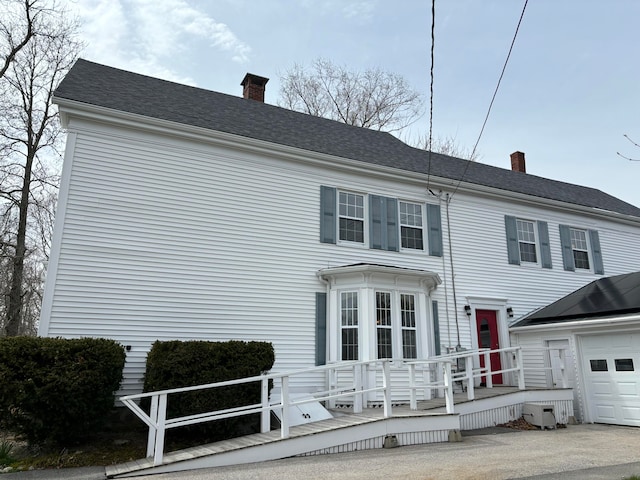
[(146, 35)]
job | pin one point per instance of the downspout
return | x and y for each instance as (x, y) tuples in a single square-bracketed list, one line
[(453, 275), (444, 274)]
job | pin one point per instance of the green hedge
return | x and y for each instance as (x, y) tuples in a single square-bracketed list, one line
[(177, 364), (58, 390)]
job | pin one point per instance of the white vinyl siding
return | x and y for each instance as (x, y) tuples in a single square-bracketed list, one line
[(150, 248)]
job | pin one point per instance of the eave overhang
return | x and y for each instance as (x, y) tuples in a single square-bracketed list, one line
[(71, 108)]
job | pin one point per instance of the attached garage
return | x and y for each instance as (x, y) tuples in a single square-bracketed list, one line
[(599, 328), (610, 363)]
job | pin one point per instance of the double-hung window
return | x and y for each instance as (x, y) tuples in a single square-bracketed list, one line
[(384, 325), (396, 329), (349, 325), (580, 248), (527, 241), (408, 324), (411, 226), (351, 217)]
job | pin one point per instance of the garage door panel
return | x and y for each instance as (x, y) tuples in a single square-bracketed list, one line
[(606, 411), (631, 413), (611, 366), (602, 389), (628, 389)]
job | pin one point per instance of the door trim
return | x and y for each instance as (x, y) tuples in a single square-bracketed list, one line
[(499, 305)]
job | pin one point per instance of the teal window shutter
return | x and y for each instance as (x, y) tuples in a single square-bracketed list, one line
[(513, 248), (567, 250), (436, 326), (321, 328), (383, 223), (377, 231), (328, 222), (596, 251), (393, 243), (545, 247), (434, 233)]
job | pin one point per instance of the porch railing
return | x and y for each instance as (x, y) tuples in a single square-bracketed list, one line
[(365, 378)]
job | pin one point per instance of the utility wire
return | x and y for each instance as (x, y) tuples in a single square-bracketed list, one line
[(433, 42), (486, 118)]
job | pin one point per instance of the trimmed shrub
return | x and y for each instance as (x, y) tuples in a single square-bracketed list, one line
[(58, 390), (176, 364)]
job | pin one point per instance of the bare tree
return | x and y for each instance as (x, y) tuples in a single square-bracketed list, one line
[(447, 146), (29, 138), (373, 99), (16, 29)]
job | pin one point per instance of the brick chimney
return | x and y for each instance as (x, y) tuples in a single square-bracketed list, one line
[(254, 87), (517, 162)]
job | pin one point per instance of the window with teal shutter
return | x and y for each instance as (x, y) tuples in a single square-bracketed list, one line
[(581, 249)]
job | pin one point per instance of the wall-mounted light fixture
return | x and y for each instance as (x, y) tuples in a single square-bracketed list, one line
[(467, 310), (510, 312)]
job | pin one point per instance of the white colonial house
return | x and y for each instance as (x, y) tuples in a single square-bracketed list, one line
[(190, 214)]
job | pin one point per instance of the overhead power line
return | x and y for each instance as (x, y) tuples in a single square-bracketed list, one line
[(629, 158), (486, 118), (433, 42)]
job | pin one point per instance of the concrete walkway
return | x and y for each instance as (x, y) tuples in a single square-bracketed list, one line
[(577, 452)]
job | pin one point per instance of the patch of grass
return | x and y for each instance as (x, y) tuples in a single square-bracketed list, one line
[(634, 477), (6, 449)]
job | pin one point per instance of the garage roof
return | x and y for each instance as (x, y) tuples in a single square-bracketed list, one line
[(615, 295)]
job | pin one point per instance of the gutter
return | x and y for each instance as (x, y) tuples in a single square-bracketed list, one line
[(582, 324)]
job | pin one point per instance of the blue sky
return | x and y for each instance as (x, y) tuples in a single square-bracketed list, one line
[(569, 94)]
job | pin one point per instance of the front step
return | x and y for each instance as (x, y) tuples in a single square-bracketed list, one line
[(366, 431)]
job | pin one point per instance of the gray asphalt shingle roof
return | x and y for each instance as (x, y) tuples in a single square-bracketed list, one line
[(108, 87), (609, 296)]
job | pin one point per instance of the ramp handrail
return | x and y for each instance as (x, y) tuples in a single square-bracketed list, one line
[(358, 386), (158, 422)]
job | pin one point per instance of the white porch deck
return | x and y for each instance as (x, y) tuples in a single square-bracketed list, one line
[(367, 430)]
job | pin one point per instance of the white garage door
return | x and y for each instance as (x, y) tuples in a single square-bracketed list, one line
[(611, 366)]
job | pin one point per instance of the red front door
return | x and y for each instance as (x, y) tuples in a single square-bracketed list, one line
[(487, 322)]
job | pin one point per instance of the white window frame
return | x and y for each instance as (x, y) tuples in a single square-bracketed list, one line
[(388, 327), (403, 328), (350, 326), (367, 279), (364, 219), (535, 243), (422, 227), (587, 248)]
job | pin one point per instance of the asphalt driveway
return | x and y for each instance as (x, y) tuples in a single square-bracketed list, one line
[(576, 452)]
